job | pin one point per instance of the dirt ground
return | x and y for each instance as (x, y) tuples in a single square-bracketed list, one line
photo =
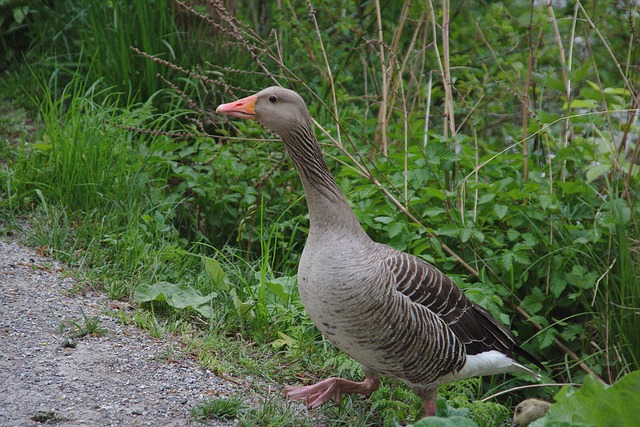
[(124, 377)]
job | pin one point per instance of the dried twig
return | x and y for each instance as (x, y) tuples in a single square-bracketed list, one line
[(528, 386), (623, 75), (382, 114), (312, 12)]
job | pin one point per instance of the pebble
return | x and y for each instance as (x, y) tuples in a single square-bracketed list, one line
[(116, 379)]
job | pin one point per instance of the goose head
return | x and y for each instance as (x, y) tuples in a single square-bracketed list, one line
[(278, 109)]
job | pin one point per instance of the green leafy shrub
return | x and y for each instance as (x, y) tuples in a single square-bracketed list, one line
[(595, 404), (521, 184), (13, 29)]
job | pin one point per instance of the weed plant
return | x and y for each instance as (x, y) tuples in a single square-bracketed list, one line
[(101, 202), (221, 408), (528, 211), (76, 329)]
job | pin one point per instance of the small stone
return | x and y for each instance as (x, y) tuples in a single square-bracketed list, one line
[(105, 381)]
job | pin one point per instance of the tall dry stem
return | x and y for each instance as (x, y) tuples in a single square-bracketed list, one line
[(449, 126), (336, 114), (382, 114), (526, 99), (427, 111), (449, 115), (627, 83)]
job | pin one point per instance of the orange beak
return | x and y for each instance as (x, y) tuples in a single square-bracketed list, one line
[(243, 108)]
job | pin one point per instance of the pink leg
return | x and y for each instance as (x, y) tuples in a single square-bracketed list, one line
[(428, 394), (320, 393), (430, 408)]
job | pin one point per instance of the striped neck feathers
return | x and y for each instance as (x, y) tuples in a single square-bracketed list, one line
[(328, 208)]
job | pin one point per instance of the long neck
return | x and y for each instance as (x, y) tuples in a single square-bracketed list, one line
[(328, 208)]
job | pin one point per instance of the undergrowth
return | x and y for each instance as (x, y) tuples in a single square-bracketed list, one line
[(497, 141)]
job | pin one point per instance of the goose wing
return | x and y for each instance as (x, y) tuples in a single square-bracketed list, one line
[(425, 285)]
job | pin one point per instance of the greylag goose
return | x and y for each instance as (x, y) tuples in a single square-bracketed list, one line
[(528, 411), (392, 312)]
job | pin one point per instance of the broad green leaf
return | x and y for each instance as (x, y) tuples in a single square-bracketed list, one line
[(43, 147), (590, 93), (276, 289), (282, 287), (447, 416), (145, 293), (287, 283), (512, 234), (533, 302), (500, 210), (582, 103), (540, 320), (455, 421), (244, 308), (581, 72), (451, 230), (593, 85), (433, 211), (394, 229), (616, 91), (486, 198), (621, 211), (507, 261), (581, 278), (596, 171), (596, 404), (478, 235), (521, 257), (554, 83), (546, 337), (547, 117), (19, 13), (383, 219), (177, 296), (283, 341), (215, 273), (571, 187), (545, 200), (557, 287), (434, 192), (488, 299)]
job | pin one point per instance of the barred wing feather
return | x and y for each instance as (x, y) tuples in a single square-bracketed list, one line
[(429, 287)]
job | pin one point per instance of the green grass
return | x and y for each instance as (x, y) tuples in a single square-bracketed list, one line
[(46, 417), (76, 329), (99, 201), (221, 408), (61, 33)]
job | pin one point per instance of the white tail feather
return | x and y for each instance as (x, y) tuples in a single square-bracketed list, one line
[(488, 363)]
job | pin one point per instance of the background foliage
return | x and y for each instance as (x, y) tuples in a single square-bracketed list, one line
[(497, 141)]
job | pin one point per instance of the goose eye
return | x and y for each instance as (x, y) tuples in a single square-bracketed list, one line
[(273, 99)]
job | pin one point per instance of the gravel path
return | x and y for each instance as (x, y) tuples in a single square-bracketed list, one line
[(122, 378)]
